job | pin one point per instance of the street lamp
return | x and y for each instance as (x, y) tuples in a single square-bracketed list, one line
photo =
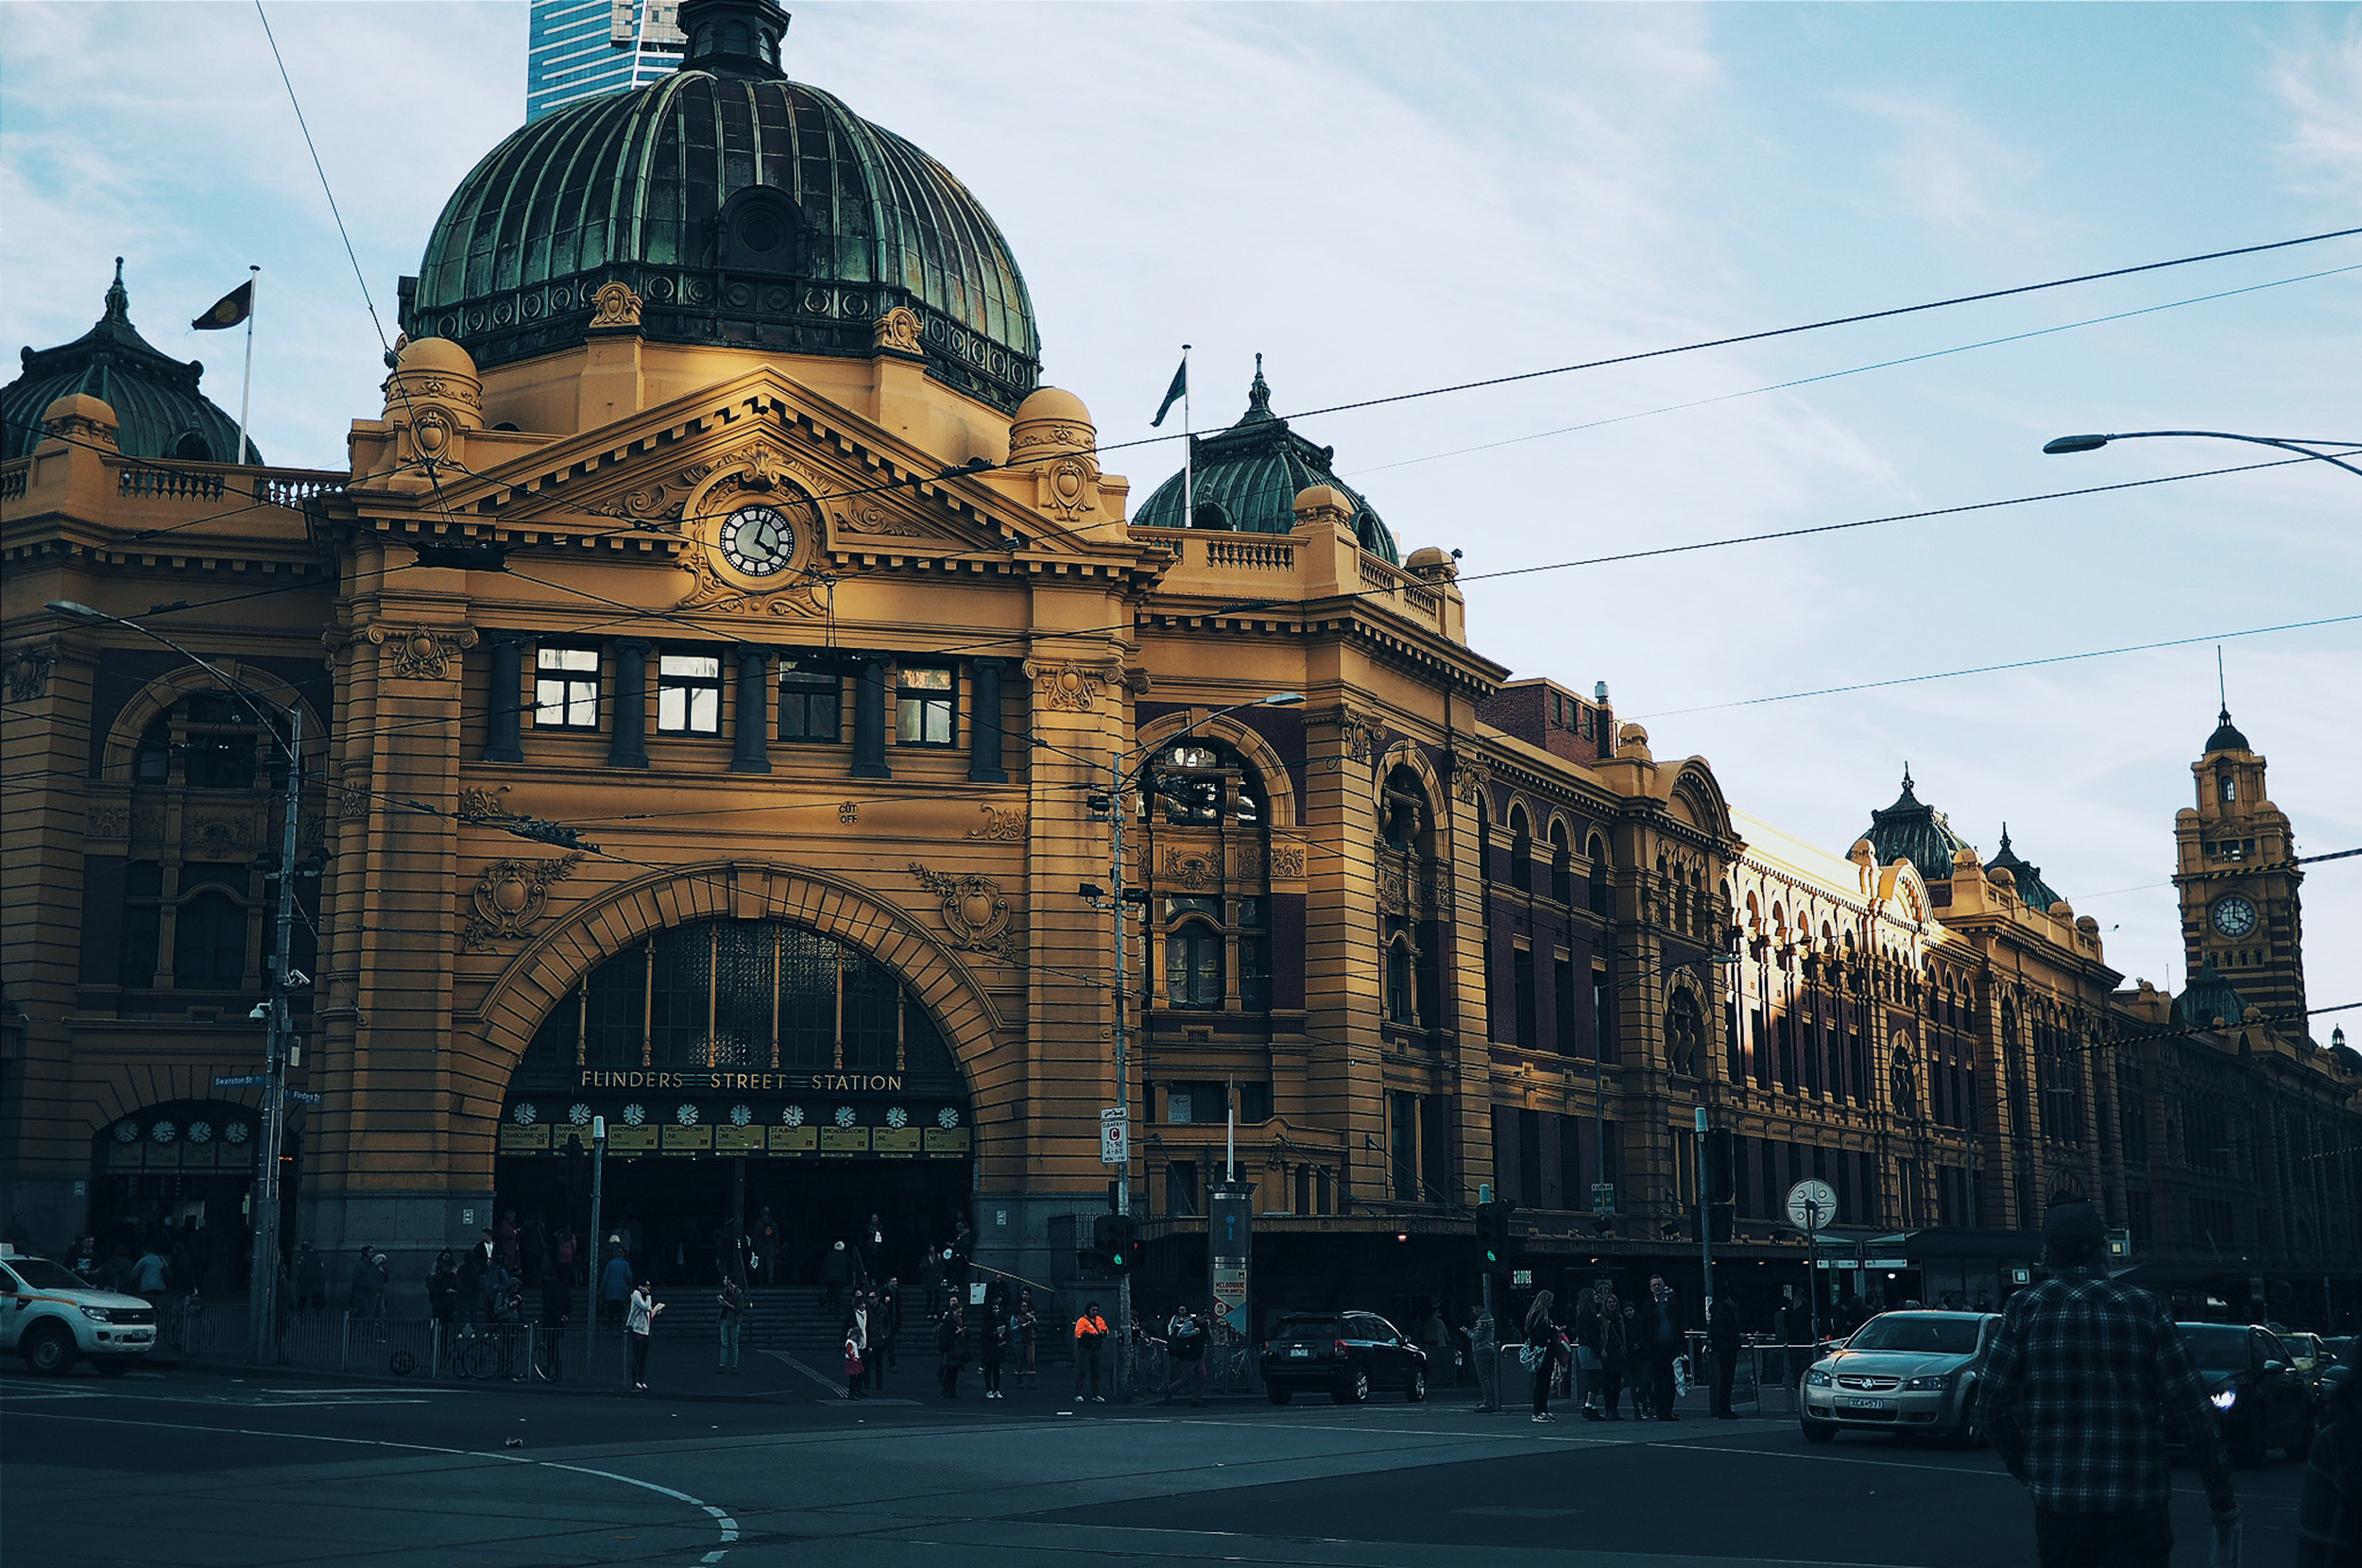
[(279, 1041), (1121, 781), (2061, 445)]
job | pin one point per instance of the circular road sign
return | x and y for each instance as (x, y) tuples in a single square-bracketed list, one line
[(1811, 1204)]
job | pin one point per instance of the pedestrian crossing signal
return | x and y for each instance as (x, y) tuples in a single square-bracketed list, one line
[(1492, 1232)]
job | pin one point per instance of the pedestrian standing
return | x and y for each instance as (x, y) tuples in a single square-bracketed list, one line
[(2329, 1514), (732, 1302), (767, 1245), (951, 1348), (557, 1310), (1090, 1335), (996, 1342), (1667, 1337), (2083, 1383), (1026, 1329), (442, 1292), (640, 1315), (857, 1325), (1723, 1343), (367, 1286), (930, 1280), (311, 1277), (886, 1328), (1636, 1360), (1611, 1355), (1484, 1349), (1539, 1354), (615, 1283), (836, 1272), (1184, 1346)]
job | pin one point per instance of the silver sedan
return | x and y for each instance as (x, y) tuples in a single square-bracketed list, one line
[(1907, 1372)]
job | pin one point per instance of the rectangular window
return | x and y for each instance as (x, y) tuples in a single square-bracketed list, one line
[(1521, 969), (1564, 995), (143, 892), (1405, 1146), (922, 707), (1530, 1158), (1181, 1188), (809, 707), (688, 695), (1254, 972), (1602, 1026), (565, 688)]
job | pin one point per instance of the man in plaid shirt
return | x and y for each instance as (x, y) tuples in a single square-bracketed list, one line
[(2083, 1381)]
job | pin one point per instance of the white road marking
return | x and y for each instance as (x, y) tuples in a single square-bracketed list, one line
[(727, 1526)]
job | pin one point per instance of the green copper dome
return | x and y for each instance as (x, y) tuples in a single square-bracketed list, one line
[(1247, 479), (158, 410), (746, 210), (2025, 877), (1912, 830)]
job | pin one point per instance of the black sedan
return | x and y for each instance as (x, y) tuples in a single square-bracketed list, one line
[(1347, 1355), (2253, 1381)]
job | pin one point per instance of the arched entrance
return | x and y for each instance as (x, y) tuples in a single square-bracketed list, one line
[(178, 1175), (739, 1066)]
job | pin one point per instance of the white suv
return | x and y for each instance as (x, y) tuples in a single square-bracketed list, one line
[(53, 1317)]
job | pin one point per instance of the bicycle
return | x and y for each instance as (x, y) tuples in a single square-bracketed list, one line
[(472, 1356), (549, 1353), (184, 1327)]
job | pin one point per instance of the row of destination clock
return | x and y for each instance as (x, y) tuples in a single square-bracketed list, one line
[(689, 1127)]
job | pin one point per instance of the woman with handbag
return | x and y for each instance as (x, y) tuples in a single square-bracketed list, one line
[(1539, 1354), (1585, 1325)]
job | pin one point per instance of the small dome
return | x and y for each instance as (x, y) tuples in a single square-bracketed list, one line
[(1051, 402), (2226, 736), (1318, 498), (152, 398), (1431, 563), (1250, 477), (435, 353), (82, 407)]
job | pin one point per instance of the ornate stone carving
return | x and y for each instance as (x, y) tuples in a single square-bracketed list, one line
[(615, 305), (974, 912), (353, 797), (422, 652), (218, 838), (147, 824), (658, 501), (1191, 871), (849, 811), (1067, 488), (110, 819), (756, 471), (1071, 688), (481, 804), (1472, 784), (432, 434), (898, 331), (29, 674), (869, 518), (1287, 862), (1394, 885), (1057, 436), (510, 896), (1001, 826), (1360, 733)]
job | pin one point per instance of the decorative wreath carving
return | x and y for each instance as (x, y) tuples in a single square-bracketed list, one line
[(510, 896), (1001, 826), (1191, 871), (973, 910), (1071, 688), (29, 674), (422, 652), (898, 330), (616, 305)]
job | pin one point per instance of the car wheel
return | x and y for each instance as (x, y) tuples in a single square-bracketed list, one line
[(1281, 1396), (1355, 1389), (1817, 1431), (111, 1366), (48, 1351), (1415, 1389)]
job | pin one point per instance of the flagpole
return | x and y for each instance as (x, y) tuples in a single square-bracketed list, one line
[(1188, 449), (245, 399)]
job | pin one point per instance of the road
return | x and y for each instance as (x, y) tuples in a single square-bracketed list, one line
[(194, 1470)]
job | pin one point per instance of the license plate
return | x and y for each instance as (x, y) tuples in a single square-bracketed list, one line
[(1866, 1404), (1299, 1350)]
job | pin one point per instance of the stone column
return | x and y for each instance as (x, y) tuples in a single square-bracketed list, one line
[(503, 709), (870, 721), (983, 723), (628, 745), (754, 712)]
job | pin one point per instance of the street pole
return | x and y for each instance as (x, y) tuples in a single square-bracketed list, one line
[(598, 1246), (1705, 1214), (1124, 1093), (1812, 1266), (279, 1050)]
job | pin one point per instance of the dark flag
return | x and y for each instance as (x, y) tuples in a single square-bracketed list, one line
[(1174, 394), (229, 310)]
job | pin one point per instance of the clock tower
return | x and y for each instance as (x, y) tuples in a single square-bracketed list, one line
[(2236, 866)]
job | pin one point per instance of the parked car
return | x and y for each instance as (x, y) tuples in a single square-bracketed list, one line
[(2264, 1401), (54, 1318), (1347, 1355), (1904, 1372), (2308, 1353)]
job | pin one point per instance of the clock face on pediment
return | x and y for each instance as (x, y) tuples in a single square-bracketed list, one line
[(759, 541)]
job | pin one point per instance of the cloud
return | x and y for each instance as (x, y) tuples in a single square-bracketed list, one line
[(2321, 89), (1949, 172)]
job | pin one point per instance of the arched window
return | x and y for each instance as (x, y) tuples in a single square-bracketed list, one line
[(1520, 851), (191, 448), (1685, 1034), (1905, 1087), (1194, 977), (1210, 516), (1603, 894), (734, 40), (1198, 781), (1409, 823), (1562, 865)]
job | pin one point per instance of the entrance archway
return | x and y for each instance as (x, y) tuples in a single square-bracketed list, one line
[(740, 1067), (178, 1175)]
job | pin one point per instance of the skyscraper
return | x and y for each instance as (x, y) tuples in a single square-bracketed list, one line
[(580, 48)]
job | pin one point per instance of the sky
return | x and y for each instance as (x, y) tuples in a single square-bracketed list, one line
[(1387, 198)]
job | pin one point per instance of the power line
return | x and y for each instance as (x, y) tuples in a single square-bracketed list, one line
[(2015, 664)]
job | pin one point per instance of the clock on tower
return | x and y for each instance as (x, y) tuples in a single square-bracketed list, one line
[(2234, 865)]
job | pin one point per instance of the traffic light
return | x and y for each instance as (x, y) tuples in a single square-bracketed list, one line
[(1492, 1232), (1719, 1185), (1114, 1238)]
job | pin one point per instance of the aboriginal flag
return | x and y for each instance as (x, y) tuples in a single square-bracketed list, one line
[(229, 310)]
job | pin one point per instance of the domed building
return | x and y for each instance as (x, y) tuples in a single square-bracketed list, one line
[(744, 210), (1245, 480), (158, 410)]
